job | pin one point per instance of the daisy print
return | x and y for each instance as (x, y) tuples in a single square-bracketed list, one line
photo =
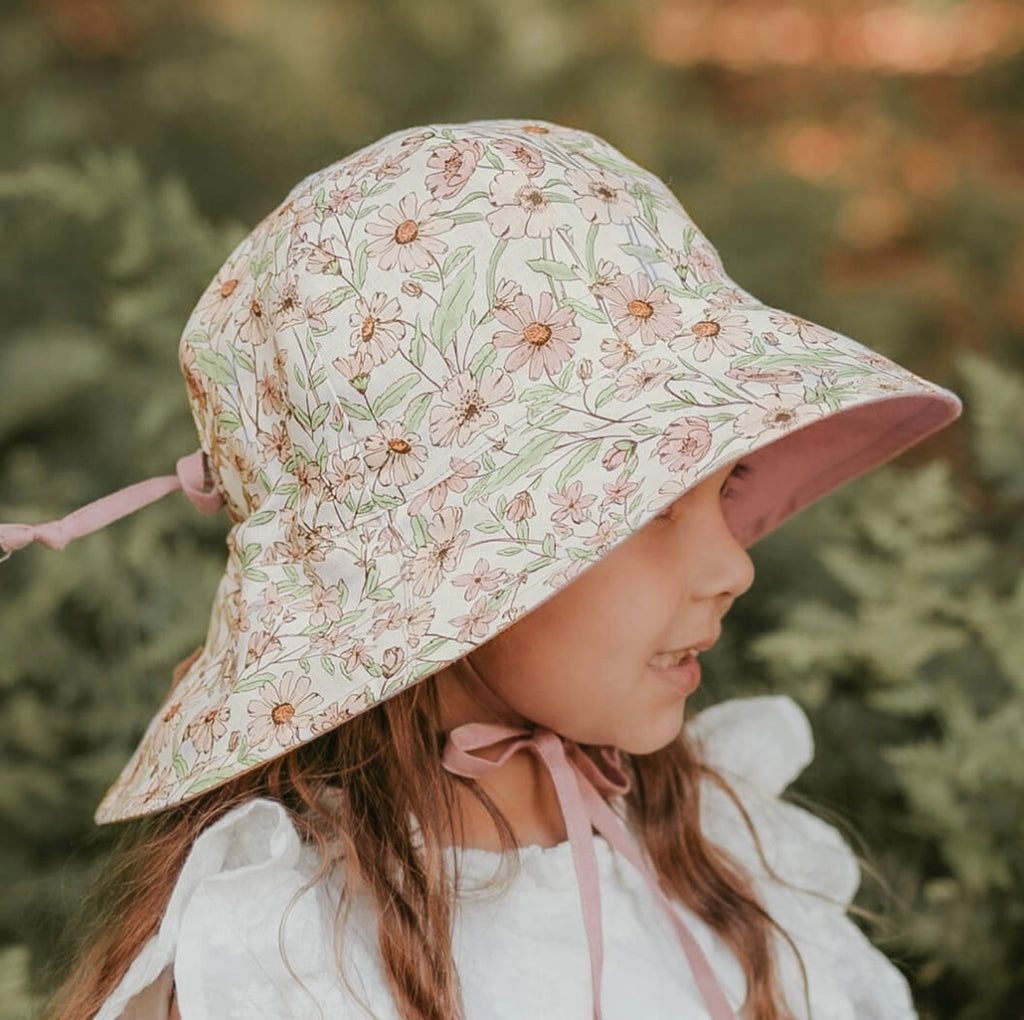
[(618, 352), (637, 307), (407, 235), (396, 454), (376, 326), (521, 207), (775, 416), (540, 338), (792, 325), (720, 331), (281, 711), (650, 373), (601, 197), (466, 406), (206, 729)]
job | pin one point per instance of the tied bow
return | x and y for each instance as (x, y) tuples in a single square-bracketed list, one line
[(582, 787), (190, 476)]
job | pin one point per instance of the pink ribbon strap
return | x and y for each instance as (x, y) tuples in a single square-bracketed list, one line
[(582, 787), (190, 476)]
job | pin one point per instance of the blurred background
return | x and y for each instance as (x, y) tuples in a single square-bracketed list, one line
[(856, 162)]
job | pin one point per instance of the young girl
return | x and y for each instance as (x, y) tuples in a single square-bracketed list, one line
[(495, 431)]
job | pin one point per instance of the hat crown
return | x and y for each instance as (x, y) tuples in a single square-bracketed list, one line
[(372, 327)]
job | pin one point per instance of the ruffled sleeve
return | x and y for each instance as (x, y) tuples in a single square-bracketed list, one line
[(243, 895), (760, 745)]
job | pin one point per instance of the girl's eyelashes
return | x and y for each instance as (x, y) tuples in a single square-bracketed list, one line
[(726, 492)]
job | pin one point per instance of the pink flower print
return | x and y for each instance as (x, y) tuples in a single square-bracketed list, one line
[(602, 539), (387, 616), (685, 442), (287, 305), (505, 294), (276, 444), (475, 624), (356, 655), (321, 259), (767, 376), (281, 711), (274, 608), (206, 729), (619, 491), (391, 661), (810, 333), (571, 503), (252, 322), (395, 453), (417, 623), (343, 474), (521, 207), (307, 474), (316, 312), (337, 713), (650, 373), (441, 555), (339, 199), (520, 507), (703, 264), (376, 326), (356, 369), (618, 353), (482, 579), (390, 167), (453, 163), (262, 642), (219, 300), (776, 415), (407, 236), (454, 482), (538, 339), (720, 332), (529, 158), (268, 393), (322, 604), (637, 306), (465, 407), (602, 197)]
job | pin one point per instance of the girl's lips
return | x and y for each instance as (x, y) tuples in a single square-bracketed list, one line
[(685, 677)]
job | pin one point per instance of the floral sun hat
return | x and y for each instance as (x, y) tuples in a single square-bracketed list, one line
[(443, 377)]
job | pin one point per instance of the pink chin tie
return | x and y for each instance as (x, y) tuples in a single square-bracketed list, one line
[(190, 476), (582, 787)]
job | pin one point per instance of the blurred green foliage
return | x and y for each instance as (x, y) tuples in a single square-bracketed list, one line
[(142, 142)]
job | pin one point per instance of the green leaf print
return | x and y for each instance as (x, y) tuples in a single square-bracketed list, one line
[(583, 455), (451, 311), (216, 367), (555, 270), (395, 393)]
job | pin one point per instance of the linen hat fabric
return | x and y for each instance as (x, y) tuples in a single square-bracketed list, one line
[(444, 376)]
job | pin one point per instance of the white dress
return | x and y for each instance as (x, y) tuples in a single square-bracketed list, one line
[(524, 954)]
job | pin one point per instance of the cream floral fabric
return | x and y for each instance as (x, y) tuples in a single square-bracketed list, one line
[(525, 954), (444, 376)]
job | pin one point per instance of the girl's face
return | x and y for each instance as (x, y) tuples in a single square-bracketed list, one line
[(580, 663)]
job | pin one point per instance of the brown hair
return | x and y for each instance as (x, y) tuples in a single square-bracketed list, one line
[(351, 793)]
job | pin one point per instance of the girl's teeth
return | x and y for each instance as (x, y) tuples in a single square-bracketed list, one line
[(668, 659)]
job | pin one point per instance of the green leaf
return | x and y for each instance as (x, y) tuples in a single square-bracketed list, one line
[(216, 367), (417, 409), (451, 311), (586, 453), (359, 266), (395, 393), (640, 251), (355, 410), (531, 454), (587, 311), (553, 269)]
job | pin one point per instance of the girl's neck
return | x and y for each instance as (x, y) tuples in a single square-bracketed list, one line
[(521, 788)]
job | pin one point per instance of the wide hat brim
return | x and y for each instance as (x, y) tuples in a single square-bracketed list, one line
[(315, 622)]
